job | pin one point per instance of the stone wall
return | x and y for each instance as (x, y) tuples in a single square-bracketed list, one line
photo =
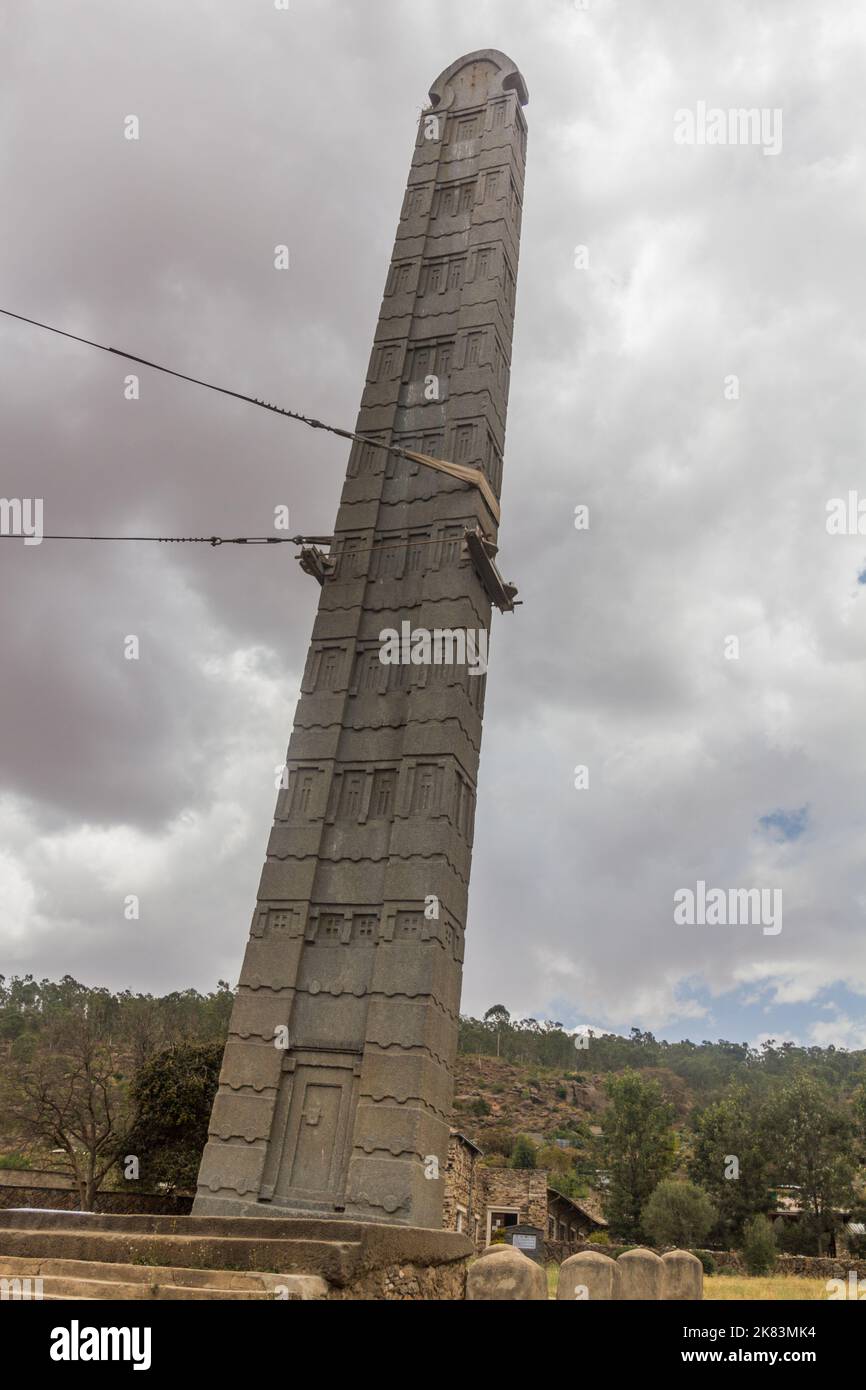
[(461, 1187), (805, 1266), (407, 1283), (56, 1192)]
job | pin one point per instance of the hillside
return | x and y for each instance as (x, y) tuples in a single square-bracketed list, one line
[(545, 1103)]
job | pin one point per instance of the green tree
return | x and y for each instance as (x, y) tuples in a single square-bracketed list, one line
[(172, 1096), (814, 1137), (859, 1112), (678, 1213), (638, 1149), (733, 1154), (523, 1155), (64, 1088), (759, 1246), (498, 1017)]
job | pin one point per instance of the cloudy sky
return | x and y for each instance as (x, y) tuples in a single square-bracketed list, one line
[(707, 496)]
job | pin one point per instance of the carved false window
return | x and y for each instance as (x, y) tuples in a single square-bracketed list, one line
[(409, 926), (304, 783), (464, 443), (456, 272), (452, 545), (414, 202), (500, 363), (366, 929), (509, 284), (352, 795), (330, 665), (353, 557), (513, 201), (466, 128), (474, 349), (399, 677), (400, 281), (424, 790), (330, 928), (388, 557), (416, 554), (483, 263), (389, 356), (451, 199), (429, 358), (382, 801), (370, 676)]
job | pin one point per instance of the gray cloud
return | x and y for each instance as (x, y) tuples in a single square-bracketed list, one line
[(707, 515)]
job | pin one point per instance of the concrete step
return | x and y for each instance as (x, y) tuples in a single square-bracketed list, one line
[(88, 1279)]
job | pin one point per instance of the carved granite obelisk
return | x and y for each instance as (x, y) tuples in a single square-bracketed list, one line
[(336, 1085)]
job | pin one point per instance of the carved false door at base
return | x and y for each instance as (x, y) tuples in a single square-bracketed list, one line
[(312, 1130)]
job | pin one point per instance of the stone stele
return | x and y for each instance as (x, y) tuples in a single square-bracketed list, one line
[(683, 1275), (589, 1276), (336, 1086), (640, 1275), (505, 1276)]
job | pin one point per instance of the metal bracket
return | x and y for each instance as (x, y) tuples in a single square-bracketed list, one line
[(314, 561), (482, 553)]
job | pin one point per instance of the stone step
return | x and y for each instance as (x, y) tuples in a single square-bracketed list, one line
[(331, 1260), (85, 1279), (314, 1257), (110, 1290), (17, 1266)]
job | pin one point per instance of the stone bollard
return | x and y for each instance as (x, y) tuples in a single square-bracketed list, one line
[(682, 1276), (640, 1275), (506, 1274), (589, 1275)]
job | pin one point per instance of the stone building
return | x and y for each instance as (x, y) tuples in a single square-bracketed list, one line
[(461, 1208), (482, 1201)]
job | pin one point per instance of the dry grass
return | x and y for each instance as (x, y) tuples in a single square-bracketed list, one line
[(774, 1289), (788, 1288)]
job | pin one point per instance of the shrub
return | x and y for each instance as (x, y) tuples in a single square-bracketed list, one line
[(498, 1141), (706, 1260), (523, 1155), (678, 1213), (598, 1238), (173, 1095), (759, 1246)]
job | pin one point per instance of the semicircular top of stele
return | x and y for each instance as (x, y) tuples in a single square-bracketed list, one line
[(476, 77)]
